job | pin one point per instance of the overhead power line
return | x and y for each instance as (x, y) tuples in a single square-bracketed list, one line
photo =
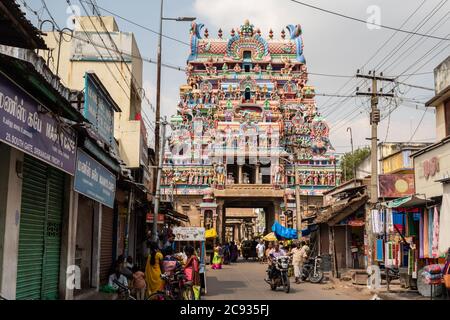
[(137, 24), (367, 22)]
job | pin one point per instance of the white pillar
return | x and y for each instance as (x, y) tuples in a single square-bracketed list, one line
[(67, 281), (10, 208)]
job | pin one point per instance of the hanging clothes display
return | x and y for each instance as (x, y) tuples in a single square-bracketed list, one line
[(435, 251), (426, 226), (389, 221), (377, 221), (421, 240), (379, 249)]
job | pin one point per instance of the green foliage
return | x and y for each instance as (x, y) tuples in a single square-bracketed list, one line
[(349, 160)]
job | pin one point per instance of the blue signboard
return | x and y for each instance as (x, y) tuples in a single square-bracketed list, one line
[(29, 127), (94, 180), (98, 109)]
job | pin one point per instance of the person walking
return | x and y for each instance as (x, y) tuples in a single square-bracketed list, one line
[(153, 269), (446, 274), (192, 270), (217, 258), (297, 261), (260, 249), (139, 284)]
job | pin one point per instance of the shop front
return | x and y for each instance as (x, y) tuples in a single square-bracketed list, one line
[(95, 186), (38, 159)]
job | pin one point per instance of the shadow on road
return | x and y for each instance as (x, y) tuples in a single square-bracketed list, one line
[(216, 286)]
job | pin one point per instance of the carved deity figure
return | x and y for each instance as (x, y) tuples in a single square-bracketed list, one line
[(287, 66), (237, 68)]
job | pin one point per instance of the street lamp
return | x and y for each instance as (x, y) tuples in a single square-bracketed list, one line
[(158, 77), (353, 156)]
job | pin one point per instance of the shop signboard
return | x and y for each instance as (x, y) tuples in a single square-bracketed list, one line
[(189, 233), (149, 218), (396, 185), (94, 181), (98, 110), (28, 126)]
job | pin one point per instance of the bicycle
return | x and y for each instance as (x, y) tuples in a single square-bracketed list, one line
[(175, 288)]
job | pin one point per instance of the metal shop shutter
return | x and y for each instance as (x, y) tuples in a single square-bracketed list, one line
[(39, 233), (106, 250)]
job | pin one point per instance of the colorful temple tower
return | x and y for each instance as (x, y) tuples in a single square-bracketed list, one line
[(247, 130)]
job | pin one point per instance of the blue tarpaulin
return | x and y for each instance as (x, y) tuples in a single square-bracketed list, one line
[(283, 232)]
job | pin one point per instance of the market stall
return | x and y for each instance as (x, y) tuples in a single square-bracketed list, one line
[(194, 236), (406, 238)]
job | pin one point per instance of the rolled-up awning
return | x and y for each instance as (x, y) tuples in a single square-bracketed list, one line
[(176, 215), (408, 202)]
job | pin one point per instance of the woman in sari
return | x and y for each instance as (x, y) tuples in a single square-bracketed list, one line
[(217, 258), (234, 251), (153, 270)]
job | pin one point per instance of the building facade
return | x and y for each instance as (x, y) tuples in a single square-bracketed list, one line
[(247, 129)]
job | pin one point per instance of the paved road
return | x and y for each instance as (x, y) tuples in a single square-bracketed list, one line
[(245, 280)]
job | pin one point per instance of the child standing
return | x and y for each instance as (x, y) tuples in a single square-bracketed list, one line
[(139, 284)]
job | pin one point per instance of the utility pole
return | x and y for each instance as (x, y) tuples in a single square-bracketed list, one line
[(374, 120), (158, 181), (353, 154)]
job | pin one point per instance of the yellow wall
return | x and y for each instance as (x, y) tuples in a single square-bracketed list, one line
[(72, 75), (440, 122)]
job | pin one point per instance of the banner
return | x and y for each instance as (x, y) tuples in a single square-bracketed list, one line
[(189, 233), (396, 185), (29, 127)]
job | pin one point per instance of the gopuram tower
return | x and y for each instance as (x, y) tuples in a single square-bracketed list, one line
[(247, 130)]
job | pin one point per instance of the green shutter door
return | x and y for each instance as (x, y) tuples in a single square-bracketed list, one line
[(53, 234), (39, 235)]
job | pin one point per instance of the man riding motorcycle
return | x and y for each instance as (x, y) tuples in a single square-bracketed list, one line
[(273, 254)]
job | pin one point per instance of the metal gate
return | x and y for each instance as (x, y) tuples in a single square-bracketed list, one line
[(40, 231), (106, 251)]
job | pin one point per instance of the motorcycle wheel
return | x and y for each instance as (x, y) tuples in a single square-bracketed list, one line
[(316, 278), (287, 285), (273, 286)]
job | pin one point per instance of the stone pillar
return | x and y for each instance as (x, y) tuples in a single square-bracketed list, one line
[(240, 177), (257, 174)]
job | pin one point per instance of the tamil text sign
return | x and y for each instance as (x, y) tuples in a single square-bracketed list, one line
[(29, 127), (94, 180), (189, 233), (98, 111)]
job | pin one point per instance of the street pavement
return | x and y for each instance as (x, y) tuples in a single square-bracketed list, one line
[(244, 280)]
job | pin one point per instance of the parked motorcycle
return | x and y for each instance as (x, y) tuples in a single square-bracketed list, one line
[(279, 273), (312, 270)]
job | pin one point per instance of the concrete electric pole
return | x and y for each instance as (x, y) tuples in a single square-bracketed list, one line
[(158, 181), (374, 120)]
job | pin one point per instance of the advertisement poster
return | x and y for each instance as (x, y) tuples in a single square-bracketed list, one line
[(396, 185)]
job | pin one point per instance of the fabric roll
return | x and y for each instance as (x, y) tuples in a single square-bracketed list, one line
[(389, 221), (430, 231), (421, 237), (379, 250), (435, 249), (425, 234)]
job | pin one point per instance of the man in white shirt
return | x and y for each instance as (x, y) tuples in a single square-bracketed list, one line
[(260, 248)]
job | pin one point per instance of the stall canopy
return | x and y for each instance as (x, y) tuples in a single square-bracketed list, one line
[(270, 237), (210, 233), (409, 202), (176, 215)]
